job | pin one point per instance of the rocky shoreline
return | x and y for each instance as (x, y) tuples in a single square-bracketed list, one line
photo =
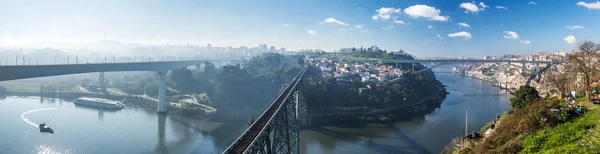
[(495, 84)]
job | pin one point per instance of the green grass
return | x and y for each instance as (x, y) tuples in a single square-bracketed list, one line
[(116, 91), (579, 135)]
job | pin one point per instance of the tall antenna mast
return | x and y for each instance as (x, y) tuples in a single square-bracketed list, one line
[(466, 122)]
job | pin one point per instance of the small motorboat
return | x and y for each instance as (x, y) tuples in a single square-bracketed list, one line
[(45, 129)]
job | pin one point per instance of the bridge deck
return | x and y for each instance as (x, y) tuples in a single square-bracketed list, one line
[(250, 135)]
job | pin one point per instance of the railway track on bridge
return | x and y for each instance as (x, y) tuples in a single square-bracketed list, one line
[(257, 128)]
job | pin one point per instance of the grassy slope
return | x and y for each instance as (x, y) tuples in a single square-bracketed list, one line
[(579, 135), (520, 131)]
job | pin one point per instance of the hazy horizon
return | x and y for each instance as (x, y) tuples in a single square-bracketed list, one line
[(422, 28)]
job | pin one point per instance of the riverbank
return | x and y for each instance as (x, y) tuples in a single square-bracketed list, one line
[(545, 126), (144, 102), (494, 83), (428, 132), (386, 115)]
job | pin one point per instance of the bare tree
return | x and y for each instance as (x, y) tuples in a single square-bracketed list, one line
[(585, 61), (559, 79)]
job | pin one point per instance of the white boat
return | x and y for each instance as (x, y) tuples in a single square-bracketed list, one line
[(98, 102)]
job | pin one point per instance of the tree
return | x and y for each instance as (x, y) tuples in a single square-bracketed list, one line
[(585, 62), (524, 96), (184, 81), (210, 70), (559, 79), (151, 89), (300, 61)]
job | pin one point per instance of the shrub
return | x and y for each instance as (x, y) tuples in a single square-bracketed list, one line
[(526, 94), (513, 126), (563, 114)]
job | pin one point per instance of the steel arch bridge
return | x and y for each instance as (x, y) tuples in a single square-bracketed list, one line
[(277, 129)]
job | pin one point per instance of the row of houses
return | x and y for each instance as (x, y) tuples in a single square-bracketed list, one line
[(363, 71)]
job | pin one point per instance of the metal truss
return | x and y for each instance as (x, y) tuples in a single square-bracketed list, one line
[(282, 134)]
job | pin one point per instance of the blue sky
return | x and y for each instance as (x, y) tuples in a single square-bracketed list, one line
[(540, 27)]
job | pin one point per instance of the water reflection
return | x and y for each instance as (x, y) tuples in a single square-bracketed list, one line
[(89, 130), (160, 146), (100, 111), (420, 134), (101, 115)]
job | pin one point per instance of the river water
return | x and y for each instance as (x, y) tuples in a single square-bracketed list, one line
[(133, 130), (423, 134)]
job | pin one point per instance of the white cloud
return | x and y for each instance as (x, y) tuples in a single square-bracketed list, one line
[(501, 7), (390, 27), (312, 32), (438, 36), (463, 25), (470, 7), (335, 21), (424, 11), (429, 26), (511, 35), (286, 25), (532, 3), (464, 34), (342, 29), (483, 6), (525, 41), (399, 21), (575, 27), (358, 26), (364, 31), (590, 6), (570, 39), (386, 13)]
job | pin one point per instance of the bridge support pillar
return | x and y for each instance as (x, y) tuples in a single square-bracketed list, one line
[(162, 93), (537, 68), (413, 67), (102, 82), (537, 71)]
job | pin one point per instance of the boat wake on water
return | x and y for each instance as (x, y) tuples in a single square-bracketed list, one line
[(36, 110)]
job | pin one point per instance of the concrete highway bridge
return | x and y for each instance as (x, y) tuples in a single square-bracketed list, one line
[(161, 67)]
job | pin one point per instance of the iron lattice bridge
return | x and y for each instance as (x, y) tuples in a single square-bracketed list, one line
[(277, 128)]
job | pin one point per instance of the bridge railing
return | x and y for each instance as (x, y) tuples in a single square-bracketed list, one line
[(22, 60), (258, 127), (73, 60)]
